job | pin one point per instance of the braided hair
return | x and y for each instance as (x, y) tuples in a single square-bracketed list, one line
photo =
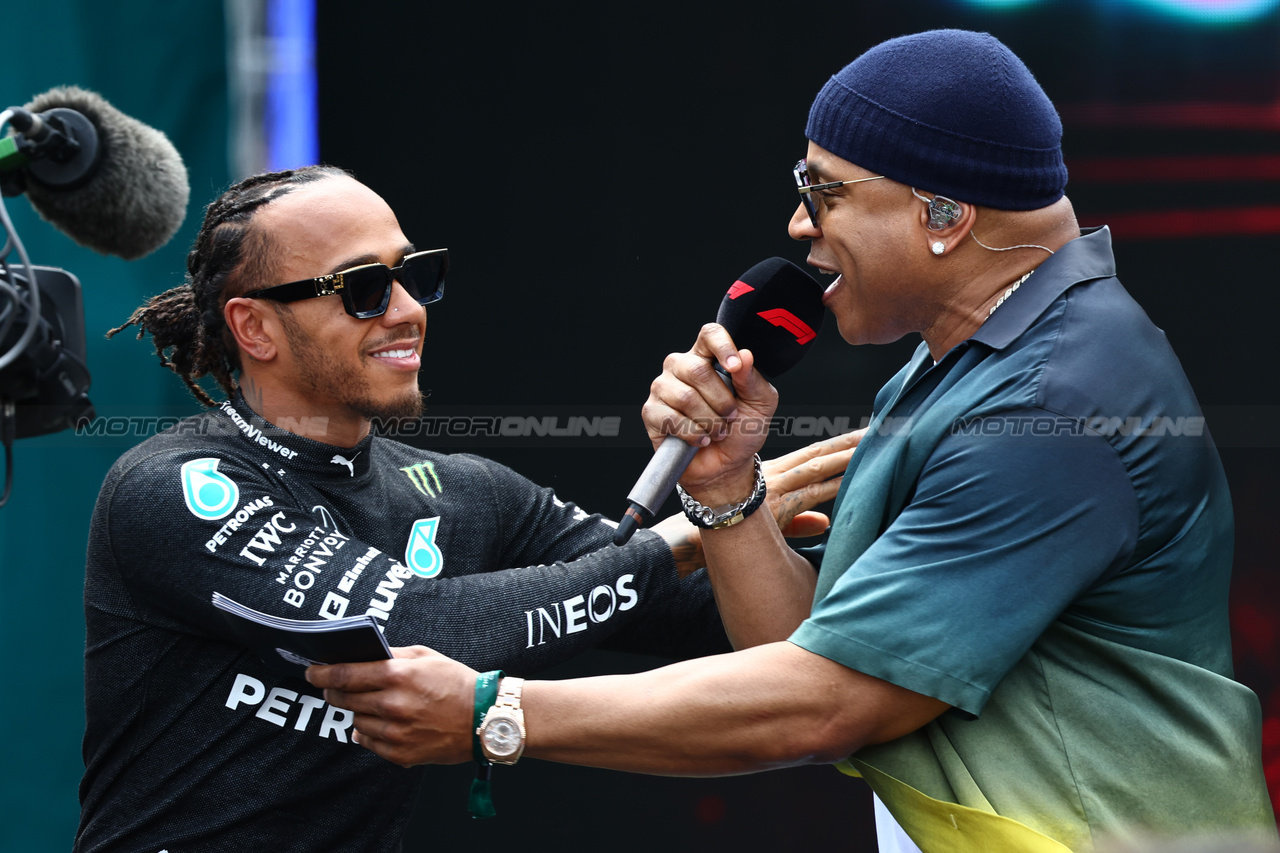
[(186, 322)]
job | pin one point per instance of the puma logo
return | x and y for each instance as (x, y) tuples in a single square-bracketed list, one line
[(350, 463)]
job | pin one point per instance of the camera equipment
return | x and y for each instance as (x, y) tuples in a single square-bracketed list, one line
[(109, 182)]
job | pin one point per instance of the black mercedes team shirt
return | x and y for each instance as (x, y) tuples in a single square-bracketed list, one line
[(193, 743)]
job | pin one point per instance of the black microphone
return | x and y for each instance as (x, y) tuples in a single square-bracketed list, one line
[(775, 310), (107, 181)]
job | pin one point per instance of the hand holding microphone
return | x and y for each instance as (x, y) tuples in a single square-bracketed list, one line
[(775, 311)]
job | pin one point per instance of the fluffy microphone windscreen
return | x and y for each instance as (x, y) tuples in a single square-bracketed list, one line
[(136, 198), (775, 310)]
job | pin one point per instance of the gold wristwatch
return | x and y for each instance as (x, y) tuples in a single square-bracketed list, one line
[(502, 732)]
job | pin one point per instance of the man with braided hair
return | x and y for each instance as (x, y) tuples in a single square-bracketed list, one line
[(305, 301), (186, 321)]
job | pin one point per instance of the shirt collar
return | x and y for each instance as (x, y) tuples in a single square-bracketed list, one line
[(290, 451), (1085, 258)]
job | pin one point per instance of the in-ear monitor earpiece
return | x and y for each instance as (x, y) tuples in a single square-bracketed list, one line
[(943, 213)]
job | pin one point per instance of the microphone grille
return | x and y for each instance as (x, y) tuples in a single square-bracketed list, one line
[(775, 310), (136, 199)]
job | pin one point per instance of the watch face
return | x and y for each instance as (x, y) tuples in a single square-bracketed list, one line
[(501, 736)]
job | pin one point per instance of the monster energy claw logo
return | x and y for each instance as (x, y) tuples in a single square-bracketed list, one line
[(422, 554), (209, 494), (424, 479)]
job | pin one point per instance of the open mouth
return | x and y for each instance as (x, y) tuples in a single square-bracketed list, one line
[(402, 355), (826, 271), (395, 353)]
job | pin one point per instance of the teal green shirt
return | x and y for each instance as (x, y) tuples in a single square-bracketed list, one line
[(1037, 531)]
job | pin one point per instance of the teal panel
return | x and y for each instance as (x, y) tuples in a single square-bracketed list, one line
[(163, 63)]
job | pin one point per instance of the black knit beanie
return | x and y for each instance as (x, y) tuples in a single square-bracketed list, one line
[(950, 112)]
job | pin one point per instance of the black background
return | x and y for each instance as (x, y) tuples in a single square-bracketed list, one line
[(601, 175)]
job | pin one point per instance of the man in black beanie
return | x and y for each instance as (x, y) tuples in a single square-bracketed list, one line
[(1018, 635)]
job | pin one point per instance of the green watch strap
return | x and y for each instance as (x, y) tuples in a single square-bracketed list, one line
[(480, 803)]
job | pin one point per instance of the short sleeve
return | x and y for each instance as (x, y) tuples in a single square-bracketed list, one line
[(1012, 519)]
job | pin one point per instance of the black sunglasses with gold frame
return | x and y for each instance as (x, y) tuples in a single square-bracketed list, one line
[(366, 289)]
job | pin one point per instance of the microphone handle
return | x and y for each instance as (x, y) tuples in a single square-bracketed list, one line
[(658, 479)]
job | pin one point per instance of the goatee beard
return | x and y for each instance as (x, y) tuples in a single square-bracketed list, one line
[(403, 408)]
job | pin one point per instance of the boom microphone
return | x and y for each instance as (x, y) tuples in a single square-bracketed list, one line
[(775, 310), (107, 181)]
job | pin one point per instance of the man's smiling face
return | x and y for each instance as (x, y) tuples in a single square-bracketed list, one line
[(348, 369)]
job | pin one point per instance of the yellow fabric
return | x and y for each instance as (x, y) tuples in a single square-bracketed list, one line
[(1084, 739), (939, 827)]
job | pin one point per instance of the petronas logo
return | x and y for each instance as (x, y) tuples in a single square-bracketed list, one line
[(209, 494), (422, 554), (424, 479)]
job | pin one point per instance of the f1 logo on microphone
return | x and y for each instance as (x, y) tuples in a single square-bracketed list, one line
[(793, 324)]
